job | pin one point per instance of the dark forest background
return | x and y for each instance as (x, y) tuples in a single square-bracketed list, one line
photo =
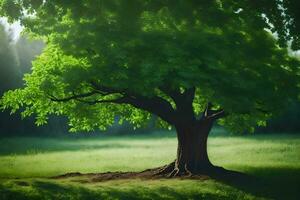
[(15, 61)]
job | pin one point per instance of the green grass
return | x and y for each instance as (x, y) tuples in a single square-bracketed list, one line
[(27, 163)]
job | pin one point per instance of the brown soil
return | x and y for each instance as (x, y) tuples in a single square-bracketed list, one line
[(221, 174), (107, 176)]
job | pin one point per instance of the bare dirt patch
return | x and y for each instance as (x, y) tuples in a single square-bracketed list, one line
[(152, 174)]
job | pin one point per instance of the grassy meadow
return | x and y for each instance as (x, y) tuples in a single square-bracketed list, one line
[(27, 163)]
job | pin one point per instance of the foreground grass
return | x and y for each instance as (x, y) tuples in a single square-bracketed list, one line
[(26, 164), (133, 189)]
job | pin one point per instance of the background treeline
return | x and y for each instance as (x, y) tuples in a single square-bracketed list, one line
[(287, 122), (15, 61)]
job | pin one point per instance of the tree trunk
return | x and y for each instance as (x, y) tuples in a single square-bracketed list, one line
[(192, 154), (192, 157), (192, 134)]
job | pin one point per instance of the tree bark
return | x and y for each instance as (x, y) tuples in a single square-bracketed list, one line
[(192, 157), (192, 135)]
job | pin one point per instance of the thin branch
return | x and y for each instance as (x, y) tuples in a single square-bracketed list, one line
[(190, 93), (155, 105), (217, 115), (211, 114), (107, 90), (186, 97), (116, 101), (207, 110), (174, 94), (73, 97)]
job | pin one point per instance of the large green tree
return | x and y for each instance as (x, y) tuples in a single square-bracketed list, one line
[(189, 62)]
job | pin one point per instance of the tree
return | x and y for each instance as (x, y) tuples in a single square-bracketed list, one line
[(15, 60), (286, 122), (27, 49), (8, 62), (9, 77), (190, 63)]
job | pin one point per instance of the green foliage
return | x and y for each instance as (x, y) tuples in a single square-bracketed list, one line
[(16, 57), (287, 122), (139, 46)]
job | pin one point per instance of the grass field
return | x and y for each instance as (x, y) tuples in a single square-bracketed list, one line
[(27, 163)]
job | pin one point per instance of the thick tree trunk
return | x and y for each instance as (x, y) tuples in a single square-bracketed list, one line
[(192, 157), (192, 134), (192, 154)]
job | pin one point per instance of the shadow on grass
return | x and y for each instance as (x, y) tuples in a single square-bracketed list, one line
[(48, 190), (274, 183)]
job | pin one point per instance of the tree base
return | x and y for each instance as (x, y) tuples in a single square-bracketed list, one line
[(167, 171), (170, 171)]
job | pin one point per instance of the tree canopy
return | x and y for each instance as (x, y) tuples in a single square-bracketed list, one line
[(135, 58)]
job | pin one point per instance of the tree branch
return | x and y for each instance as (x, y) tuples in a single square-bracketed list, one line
[(207, 110), (217, 115), (116, 101), (211, 114), (106, 90), (73, 97), (189, 94), (155, 105), (187, 97), (174, 94)]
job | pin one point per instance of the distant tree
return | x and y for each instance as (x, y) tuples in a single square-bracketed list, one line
[(9, 76), (286, 122), (190, 63), (16, 57), (8, 62), (27, 50)]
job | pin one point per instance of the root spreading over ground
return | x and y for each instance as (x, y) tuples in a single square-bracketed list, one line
[(167, 171)]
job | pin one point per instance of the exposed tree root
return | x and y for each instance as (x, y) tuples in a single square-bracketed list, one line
[(165, 169), (171, 170), (210, 171), (176, 172)]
